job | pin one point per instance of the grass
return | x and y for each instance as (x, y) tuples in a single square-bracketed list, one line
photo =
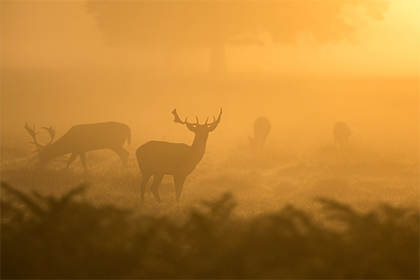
[(317, 214), (361, 177)]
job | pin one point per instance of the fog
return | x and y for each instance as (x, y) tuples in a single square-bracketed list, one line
[(59, 69), (310, 203)]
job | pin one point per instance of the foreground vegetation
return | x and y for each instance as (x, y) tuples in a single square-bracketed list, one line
[(67, 237), (314, 213)]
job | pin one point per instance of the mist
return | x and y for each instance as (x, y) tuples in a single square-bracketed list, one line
[(303, 65), (66, 73)]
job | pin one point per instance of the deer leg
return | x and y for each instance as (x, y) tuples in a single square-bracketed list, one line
[(123, 154), (179, 183), (155, 185), (71, 159), (83, 159), (144, 181)]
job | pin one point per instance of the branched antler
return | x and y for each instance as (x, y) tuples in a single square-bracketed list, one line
[(178, 119), (215, 122), (31, 131), (214, 119), (51, 131)]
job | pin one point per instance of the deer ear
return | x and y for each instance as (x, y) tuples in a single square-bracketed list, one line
[(191, 127), (213, 127)]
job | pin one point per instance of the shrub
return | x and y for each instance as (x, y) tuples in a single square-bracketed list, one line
[(47, 237)]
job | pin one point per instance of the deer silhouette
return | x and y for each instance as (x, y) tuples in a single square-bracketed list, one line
[(341, 134), (262, 128), (81, 139), (158, 158)]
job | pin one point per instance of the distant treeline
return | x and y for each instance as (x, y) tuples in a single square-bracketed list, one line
[(48, 237)]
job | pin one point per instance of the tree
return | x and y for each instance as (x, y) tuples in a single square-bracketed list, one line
[(173, 24)]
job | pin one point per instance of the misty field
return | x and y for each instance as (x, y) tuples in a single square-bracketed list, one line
[(314, 213), (291, 127), (260, 182), (300, 208)]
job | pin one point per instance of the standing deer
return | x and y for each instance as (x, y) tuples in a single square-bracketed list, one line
[(160, 158), (341, 134), (262, 128), (81, 139)]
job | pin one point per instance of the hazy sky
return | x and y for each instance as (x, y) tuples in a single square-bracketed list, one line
[(61, 34), (58, 70)]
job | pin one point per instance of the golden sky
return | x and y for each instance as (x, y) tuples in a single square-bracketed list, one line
[(61, 34), (57, 69)]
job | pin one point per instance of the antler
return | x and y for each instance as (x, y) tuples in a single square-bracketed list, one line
[(215, 122), (31, 131), (51, 131), (178, 119)]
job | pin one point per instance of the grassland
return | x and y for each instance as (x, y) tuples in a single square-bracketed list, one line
[(284, 213), (260, 182)]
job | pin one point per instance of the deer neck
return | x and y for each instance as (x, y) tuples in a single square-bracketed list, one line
[(56, 149), (198, 147)]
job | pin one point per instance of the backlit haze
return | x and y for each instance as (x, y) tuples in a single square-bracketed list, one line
[(310, 171), (69, 62)]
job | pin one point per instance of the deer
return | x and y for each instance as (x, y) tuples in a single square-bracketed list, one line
[(81, 139), (262, 128), (160, 158), (341, 134)]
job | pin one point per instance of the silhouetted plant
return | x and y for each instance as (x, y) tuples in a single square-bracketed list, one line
[(56, 238), (47, 237)]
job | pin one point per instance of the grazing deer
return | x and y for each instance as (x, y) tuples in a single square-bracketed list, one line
[(160, 158), (341, 134), (262, 128), (81, 139)]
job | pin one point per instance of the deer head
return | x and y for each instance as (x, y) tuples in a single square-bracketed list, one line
[(40, 148), (197, 128)]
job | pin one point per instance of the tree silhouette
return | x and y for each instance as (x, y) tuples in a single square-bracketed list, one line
[(171, 25)]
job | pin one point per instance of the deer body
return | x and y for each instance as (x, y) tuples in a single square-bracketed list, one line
[(166, 158), (262, 128), (158, 158), (87, 137)]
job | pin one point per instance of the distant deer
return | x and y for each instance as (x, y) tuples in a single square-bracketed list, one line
[(341, 134), (160, 158), (262, 128), (81, 139)]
